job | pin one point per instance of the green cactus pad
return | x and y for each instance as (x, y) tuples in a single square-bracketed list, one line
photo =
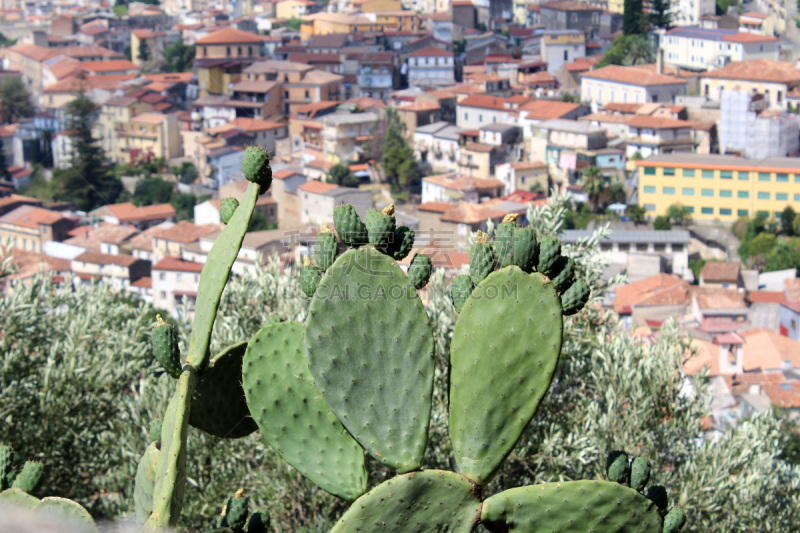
[(674, 521), (309, 279), (640, 473), (226, 209), (402, 243), (165, 348), (419, 271), (145, 483), (505, 348), (431, 501), (380, 228), (66, 512), (564, 274), (292, 415), (575, 298), (18, 498), (370, 350), (460, 291), (618, 468), (30, 477), (481, 261), (236, 512), (349, 226), (549, 252), (255, 165), (325, 250), (526, 249), (155, 429), (571, 507), (6, 467), (504, 243), (218, 406), (257, 523)]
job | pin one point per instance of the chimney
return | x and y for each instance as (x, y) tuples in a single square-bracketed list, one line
[(660, 61)]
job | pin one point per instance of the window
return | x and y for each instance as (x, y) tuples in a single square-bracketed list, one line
[(782, 178), (763, 176), (797, 197), (724, 211), (307, 94), (690, 210), (781, 196), (179, 277), (669, 190), (688, 191), (650, 207), (743, 176), (707, 210), (655, 98), (763, 196), (239, 51), (743, 194), (688, 172), (723, 193), (708, 174), (725, 174), (162, 276), (650, 171), (649, 189), (228, 51), (742, 212), (466, 116), (669, 171), (707, 192), (480, 118), (566, 55), (249, 50)]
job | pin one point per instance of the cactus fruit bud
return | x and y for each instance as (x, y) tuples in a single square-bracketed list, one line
[(257, 523), (617, 467), (658, 495), (674, 521), (388, 210), (574, 298), (511, 217), (401, 244), (155, 430), (326, 248), (564, 274), (6, 472), (255, 165), (226, 209), (460, 291), (525, 248), (549, 252), (29, 478), (481, 258), (419, 271), (349, 226), (640, 473), (309, 278), (166, 349), (380, 227)]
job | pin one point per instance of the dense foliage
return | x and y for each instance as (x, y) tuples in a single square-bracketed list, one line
[(770, 244)]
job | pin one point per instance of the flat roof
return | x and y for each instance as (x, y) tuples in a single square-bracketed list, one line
[(675, 236), (722, 162)]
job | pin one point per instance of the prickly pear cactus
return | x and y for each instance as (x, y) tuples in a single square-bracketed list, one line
[(325, 249), (6, 467), (460, 291), (380, 226), (481, 258), (256, 168), (165, 347), (30, 477), (402, 243), (419, 271), (349, 226), (309, 277), (237, 518), (226, 209)]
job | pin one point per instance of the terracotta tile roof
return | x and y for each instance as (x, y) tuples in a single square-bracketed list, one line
[(484, 101), (64, 67), (317, 187), (30, 217), (435, 207), (631, 76), (28, 264), (17, 198), (106, 259), (747, 37), (626, 296), (606, 117), (788, 349), (418, 106), (712, 298), (229, 35), (719, 271), (463, 183), (538, 78), (149, 118), (767, 297), (649, 121), (247, 124), (528, 165), (786, 395), (73, 84), (766, 70), (176, 264), (364, 102), (91, 238), (754, 15), (145, 282), (483, 77), (286, 173), (670, 70), (128, 213), (173, 77), (478, 147), (619, 107), (469, 213), (547, 109), (185, 232)]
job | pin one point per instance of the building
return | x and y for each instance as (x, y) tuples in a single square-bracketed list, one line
[(748, 126), (29, 227), (114, 114), (376, 72), (256, 246), (566, 147), (560, 47), (614, 83), (317, 201), (431, 67), (529, 176), (453, 222), (119, 271), (221, 56), (300, 83), (454, 187), (172, 240), (752, 22), (772, 79), (690, 12), (478, 110), (697, 48), (656, 297), (436, 145), (147, 47), (418, 113), (722, 275), (288, 9), (571, 15), (174, 279), (719, 187), (649, 135), (344, 133), (145, 136), (285, 185), (140, 217), (13, 201)]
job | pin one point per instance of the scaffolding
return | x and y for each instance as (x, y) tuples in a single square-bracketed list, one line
[(748, 127)]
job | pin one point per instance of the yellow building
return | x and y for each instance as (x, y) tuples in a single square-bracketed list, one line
[(28, 227), (372, 6), (221, 56), (288, 9), (327, 23), (147, 135), (616, 6), (113, 114), (153, 41), (719, 187)]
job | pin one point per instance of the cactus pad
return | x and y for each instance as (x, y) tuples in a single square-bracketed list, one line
[(460, 291), (402, 243), (563, 274), (419, 271), (18, 498), (481, 259), (526, 249), (370, 349), (6, 467), (571, 507), (640, 473), (66, 512), (380, 227), (504, 242), (309, 278), (618, 468), (292, 415), (165, 347), (549, 252), (431, 501), (155, 430), (574, 298), (326, 248), (237, 510), (145, 482), (349, 226), (218, 406), (505, 348), (255, 165), (30, 477), (226, 209), (674, 521)]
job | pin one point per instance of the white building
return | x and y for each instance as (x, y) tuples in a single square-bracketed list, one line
[(318, 199), (344, 133), (688, 12), (614, 83), (431, 66), (560, 47), (479, 110), (436, 144), (172, 279), (651, 135), (747, 126), (706, 49), (256, 245)]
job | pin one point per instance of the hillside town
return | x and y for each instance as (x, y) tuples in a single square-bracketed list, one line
[(124, 127)]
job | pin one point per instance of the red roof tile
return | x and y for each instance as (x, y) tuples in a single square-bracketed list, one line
[(176, 264)]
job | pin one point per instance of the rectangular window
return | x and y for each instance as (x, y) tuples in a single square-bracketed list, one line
[(782, 178), (669, 190), (650, 171), (688, 191), (725, 193), (688, 172), (742, 212), (724, 211), (763, 196), (743, 194), (762, 214), (726, 174), (649, 207), (781, 196), (669, 171), (797, 197), (649, 189), (763, 176), (690, 210), (707, 210), (743, 176), (708, 174), (707, 192)]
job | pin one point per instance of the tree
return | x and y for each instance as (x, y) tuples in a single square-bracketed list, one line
[(638, 51), (570, 98), (593, 184), (4, 173), (341, 175), (15, 100), (88, 182), (536, 188), (660, 14), (633, 18), (696, 265), (151, 191), (616, 193), (637, 155), (144, 52), (179, 57), (787, 220), (637, 213), (399, 164), (184, 203), (678, 214), (294, 23), (662, 223), (259, 222)]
